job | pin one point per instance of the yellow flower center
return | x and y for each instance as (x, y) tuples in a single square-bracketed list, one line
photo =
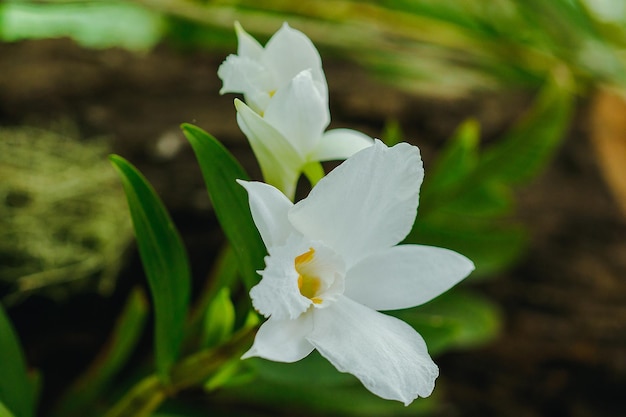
[(308, 284)]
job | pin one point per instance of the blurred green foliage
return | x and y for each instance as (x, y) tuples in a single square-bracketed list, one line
[(63, 214), (467, 201), (93, 24), (439, 47), (84, 396)]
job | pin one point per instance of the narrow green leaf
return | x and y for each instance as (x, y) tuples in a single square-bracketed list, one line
[(228, 374), (348, 400), (530, 145), (140, 400), (456, 160), (457, 319), (178, 407), (165, 263), (17, 390), (392, 133), (230, 201), (492, 246), (81, 397), (223, 274), (313, 371), (4, 412), (489, 199), (219, 320), (466, 195)]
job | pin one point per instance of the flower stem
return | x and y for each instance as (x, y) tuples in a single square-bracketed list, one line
[(314, 172), (150, 392)]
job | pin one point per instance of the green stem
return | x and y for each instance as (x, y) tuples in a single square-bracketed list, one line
[(141, 400), (146, 396), (314, 172)]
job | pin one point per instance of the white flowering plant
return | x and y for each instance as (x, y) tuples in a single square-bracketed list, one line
[(311, 299)]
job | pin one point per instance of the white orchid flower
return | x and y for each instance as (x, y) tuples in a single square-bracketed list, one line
[(289, 138), (333, 263), (259, 72)]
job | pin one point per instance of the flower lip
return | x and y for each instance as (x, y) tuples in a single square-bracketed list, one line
[(308, 284), (320, 276), (299, 274)]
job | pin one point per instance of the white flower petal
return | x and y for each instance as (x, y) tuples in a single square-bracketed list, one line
[(279, 161), (289, 52), (366, 204), (340, 144), (259, 72), (387, 355), (405, 276), (246, 45), (241, 74), (299, 112), (244, 73), (278, 295), (269, 209), (282, 340)]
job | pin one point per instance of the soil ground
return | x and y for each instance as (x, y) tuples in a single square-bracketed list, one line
[(563, 348)]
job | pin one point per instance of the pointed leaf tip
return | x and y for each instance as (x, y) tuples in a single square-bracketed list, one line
[(221, 171), (164, 259)]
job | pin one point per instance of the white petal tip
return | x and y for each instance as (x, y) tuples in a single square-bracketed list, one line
[(240, 106), (472, 266), (466, 266), (239, 30), (251, 353)]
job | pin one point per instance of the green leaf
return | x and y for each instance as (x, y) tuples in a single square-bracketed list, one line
[(346, 400), (392, 133), (223, 275), (467, 195), (456, 160), (445, 186), (490, 199), (165, 263), (530, 145), (5, 412), (177, 407), (456, 319), (81, 397), (313, 371), (228, 375), (219, 320), (492, 246), (230, 201), (17, 389)]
